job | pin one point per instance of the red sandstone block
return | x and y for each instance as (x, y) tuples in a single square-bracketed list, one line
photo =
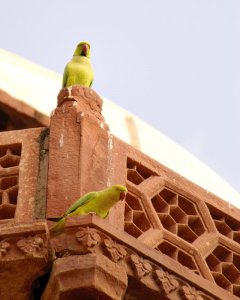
[(21, 174)]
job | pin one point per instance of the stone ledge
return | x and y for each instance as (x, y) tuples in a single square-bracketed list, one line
[(86, 235), (24, 256)]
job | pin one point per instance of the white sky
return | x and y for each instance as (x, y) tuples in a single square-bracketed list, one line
[(175, 64)]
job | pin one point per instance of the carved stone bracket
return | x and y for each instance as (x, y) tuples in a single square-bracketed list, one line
[(90, 239), (4, 248), (167, 283), (24, 256), (141, 267), (113, 250), (31, 245)]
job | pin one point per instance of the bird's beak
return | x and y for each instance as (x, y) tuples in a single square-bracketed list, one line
[(122, 196), (84, 49)]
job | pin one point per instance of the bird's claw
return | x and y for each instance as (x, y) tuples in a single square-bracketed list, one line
[(92, 213)]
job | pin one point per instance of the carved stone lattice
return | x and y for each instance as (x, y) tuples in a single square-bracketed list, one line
[(178, 215), (156, 211), (137, 173), (175, 213), (225, 267), (225, 224), (9, 171), (136, 221), (183, 257)]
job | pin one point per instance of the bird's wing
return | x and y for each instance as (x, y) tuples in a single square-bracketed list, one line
[(90, 85), (84, 199)]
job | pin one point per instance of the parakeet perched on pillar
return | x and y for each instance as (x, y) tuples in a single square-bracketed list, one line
[(79, 69), (93, 202)]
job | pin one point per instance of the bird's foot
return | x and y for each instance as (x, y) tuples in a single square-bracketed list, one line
[(92, 213)]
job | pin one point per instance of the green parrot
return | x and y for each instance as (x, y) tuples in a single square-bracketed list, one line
[(98, 203), (79, 69)]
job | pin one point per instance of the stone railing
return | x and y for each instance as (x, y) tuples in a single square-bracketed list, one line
[(170, 239)]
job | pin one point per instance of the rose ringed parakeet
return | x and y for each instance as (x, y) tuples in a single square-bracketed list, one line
[(93, 202), (79, 69)]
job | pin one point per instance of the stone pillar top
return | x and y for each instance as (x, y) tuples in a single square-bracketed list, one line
[(88, 101)]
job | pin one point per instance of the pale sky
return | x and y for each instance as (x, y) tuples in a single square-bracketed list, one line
[(173, 63)]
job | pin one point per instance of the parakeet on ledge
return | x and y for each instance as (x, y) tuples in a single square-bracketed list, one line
[(93, 202), (79, 69)]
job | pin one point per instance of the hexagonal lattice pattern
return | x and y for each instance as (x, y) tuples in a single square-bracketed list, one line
[(225, 268), (180, 220), (9, 161), (177, 254), (136, 221), (9, 157), (137, 173), (178, 215), (225, 224)]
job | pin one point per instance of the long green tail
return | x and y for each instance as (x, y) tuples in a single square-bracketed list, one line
[(56, 219), (58, 228)]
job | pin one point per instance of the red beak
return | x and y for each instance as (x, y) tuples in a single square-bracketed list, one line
[(84, 49), (122, 196)]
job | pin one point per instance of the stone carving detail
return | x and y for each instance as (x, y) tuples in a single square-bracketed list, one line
[(88, 238), (137, 173), (9, 171), (184, 258), (4, 247), (140, 266), (87, 99), (136, 220), (113, 250), (190, 293), (178, 214), (224, 265), (92, 240), (170, 211), (225, 224), (31, 245), (166, 281)]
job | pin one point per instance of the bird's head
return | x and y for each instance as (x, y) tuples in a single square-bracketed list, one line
[(83, 49), (122, 190)]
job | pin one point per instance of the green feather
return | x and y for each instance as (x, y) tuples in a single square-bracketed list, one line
[(94, 202), (79, 69), (84, 199)]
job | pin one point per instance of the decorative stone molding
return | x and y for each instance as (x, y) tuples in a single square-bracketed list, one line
[(24, 256), (169, 239), (166, 282), (113, 250), (96, 237), (190, 293), (31, 245), (88, 238), (4, 248), (140, 266)]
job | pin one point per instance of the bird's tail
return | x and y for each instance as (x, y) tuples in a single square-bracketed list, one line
[(57, 228), (55, 219)]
